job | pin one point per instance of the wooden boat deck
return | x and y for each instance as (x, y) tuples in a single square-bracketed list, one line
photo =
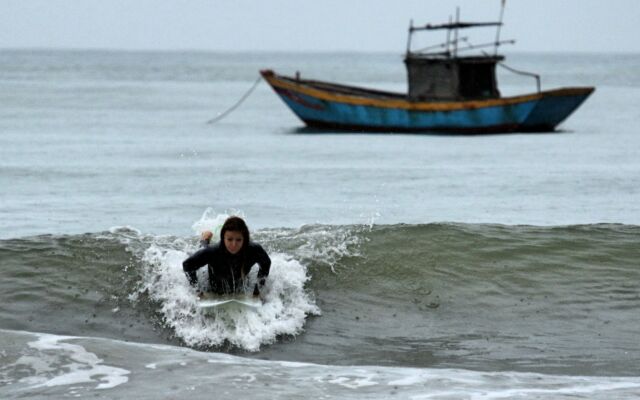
[(339, 88)]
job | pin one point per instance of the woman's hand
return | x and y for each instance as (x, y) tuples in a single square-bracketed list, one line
[(207, 235)]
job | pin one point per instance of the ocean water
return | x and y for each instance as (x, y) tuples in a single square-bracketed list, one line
[(404, 266)]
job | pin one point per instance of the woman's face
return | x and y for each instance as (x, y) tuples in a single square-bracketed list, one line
[(233, 241)]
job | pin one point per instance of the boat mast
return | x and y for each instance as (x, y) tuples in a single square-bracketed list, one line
[(455, 34), (449, 38), (497, 42), (409, 38)]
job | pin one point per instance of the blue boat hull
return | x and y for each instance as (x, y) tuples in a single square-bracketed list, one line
[(326, 105)]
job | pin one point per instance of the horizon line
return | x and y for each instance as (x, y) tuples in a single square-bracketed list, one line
[(289, 52)]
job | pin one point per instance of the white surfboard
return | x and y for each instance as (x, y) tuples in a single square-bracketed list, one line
[(209, 302)]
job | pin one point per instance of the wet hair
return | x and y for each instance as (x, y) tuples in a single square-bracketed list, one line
[(235, 224)]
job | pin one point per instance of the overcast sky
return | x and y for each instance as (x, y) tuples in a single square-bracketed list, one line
[(300, 25)]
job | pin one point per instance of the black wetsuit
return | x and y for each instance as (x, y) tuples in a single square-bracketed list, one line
[(227, 272)]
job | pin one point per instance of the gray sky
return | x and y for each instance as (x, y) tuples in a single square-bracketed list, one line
[(300, 25)]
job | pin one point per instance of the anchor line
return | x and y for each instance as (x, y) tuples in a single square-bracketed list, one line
[(237, 104)]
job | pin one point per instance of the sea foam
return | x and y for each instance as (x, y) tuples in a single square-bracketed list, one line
[(56, 362), (286, 302)]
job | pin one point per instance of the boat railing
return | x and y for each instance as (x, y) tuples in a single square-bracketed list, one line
[(502, 64), (447, 53), (427, 50), (520, 72)]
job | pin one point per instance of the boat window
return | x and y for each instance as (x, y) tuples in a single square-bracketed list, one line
[(478, 81)]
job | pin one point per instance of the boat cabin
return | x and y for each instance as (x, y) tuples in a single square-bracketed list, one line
[(444, 75), (450, 78)]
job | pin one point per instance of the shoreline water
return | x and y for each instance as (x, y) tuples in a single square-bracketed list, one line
[(85, 366)]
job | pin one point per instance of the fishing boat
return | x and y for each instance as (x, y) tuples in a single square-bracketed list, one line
[(448, 91)]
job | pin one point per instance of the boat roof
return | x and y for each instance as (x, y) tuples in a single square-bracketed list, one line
[(454, 25), (456, 44)]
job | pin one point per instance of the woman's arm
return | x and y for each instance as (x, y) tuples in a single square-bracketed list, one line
[(263, 260), (197, 260), (193, 263)]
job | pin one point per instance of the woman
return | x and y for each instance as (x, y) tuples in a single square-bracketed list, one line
[(230, 260)]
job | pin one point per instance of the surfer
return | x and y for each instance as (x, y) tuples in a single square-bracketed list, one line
[(230, 260)]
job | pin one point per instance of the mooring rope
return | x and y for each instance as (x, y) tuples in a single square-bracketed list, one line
[(237, 104)]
